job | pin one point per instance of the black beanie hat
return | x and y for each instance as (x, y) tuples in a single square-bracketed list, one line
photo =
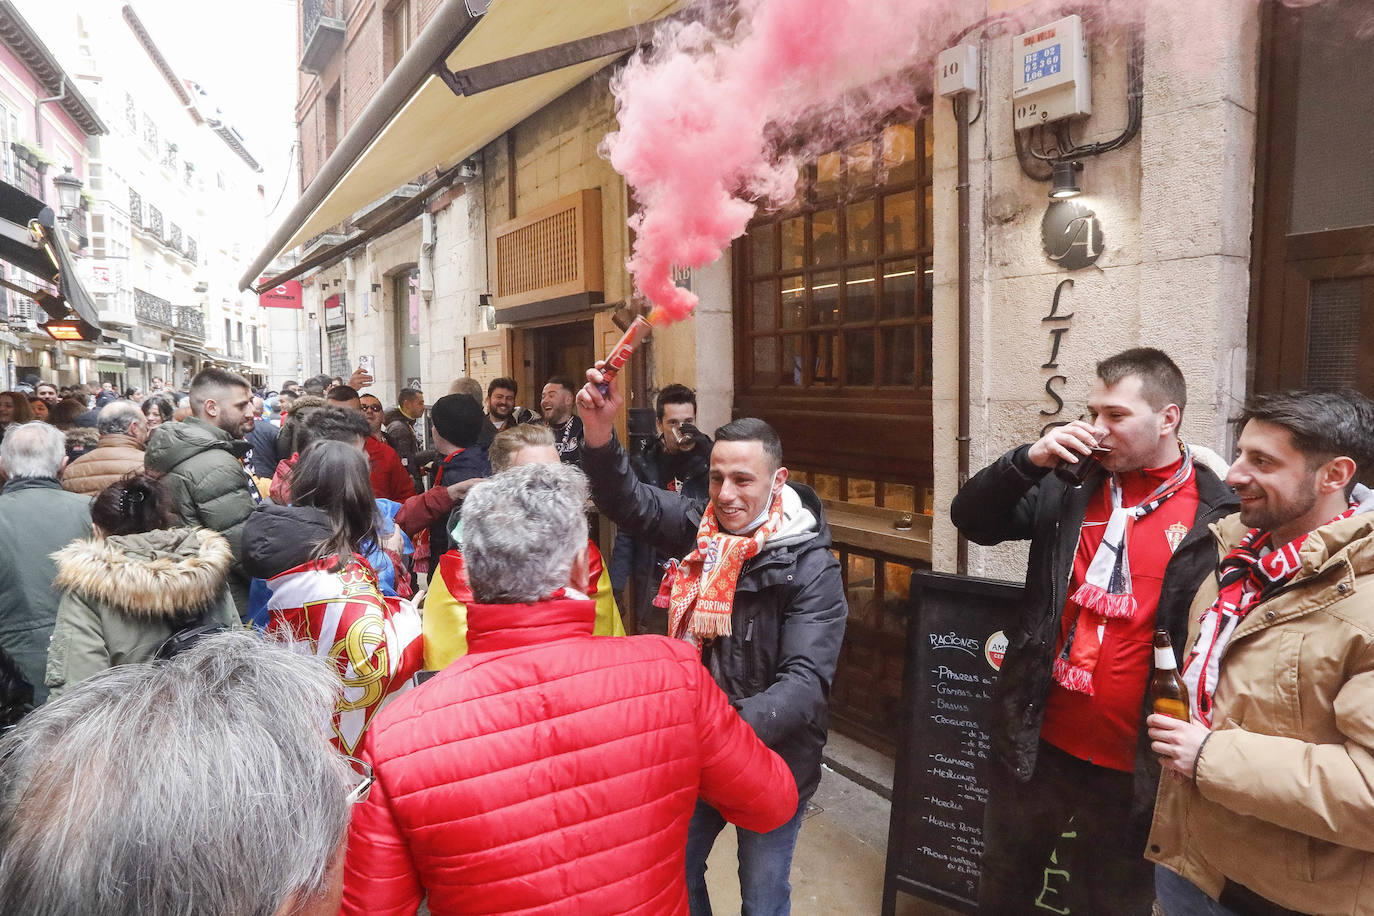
[(457, 418)]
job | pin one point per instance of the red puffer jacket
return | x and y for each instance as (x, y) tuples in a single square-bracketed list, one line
[(550, 771)]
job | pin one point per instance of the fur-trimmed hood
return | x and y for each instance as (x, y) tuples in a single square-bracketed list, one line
[(163, 574)]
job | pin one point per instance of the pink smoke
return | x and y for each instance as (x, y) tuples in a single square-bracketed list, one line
[(701, 115)]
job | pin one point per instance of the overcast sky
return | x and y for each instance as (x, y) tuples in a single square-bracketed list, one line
[(243, 54)]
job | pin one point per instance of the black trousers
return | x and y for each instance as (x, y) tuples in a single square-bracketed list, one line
[(1023, 823)]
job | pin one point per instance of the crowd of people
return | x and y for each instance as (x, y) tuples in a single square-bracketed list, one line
[(413, 602), (320, 656)]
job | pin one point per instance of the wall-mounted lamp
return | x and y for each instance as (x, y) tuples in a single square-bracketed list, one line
[(1064, 181)]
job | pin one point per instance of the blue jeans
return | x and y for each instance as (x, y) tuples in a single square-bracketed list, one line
[(765, 862), (1178, 896)]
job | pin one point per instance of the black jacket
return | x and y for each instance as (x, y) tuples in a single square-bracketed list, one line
[(277, 538), (634, 561), (788, 619), (1014, 500)]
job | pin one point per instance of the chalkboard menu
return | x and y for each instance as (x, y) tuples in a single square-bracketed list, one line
[(955, 643)]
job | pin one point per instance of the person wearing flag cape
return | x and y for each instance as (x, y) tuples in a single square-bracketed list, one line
[(1106, 568)]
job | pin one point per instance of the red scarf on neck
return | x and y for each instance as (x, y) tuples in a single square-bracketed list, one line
[(703, 583)]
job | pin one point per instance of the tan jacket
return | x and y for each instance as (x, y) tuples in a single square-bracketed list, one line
[(1283, 801), (114, 456)]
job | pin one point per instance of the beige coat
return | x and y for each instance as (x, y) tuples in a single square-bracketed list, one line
[(114, 456), (1283, 801)]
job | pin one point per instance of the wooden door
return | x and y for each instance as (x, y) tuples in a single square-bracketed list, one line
[(1313, 267)]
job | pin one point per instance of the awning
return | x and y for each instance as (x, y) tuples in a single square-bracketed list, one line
[(416, 123), (30, 241), (142, 353)]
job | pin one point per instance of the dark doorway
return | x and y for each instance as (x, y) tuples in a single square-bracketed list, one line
[(560, 349)]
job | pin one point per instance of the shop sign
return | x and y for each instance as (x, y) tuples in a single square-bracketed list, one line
[(334, 311), (1071, 234), (283, 296)]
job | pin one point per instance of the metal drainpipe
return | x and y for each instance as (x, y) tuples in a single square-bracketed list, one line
[(961, 120), (38, 112)]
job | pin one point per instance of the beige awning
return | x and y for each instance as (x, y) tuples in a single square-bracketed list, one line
[(434, 128)]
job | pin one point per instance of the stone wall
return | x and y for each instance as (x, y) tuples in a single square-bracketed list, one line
[(1175, 208)]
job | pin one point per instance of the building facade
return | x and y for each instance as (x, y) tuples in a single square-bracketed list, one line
[(1223, 217), (46, 123)]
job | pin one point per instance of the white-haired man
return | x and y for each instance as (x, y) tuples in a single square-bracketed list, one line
[(549, 769), (123, 431), (158, 807), (37, 518)]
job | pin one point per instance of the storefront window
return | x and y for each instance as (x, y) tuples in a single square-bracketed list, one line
[(862, 239)]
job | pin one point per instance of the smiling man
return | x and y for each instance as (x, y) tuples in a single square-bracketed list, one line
[(759, 592), (1274, 810), (202, 458), (1131, 545)]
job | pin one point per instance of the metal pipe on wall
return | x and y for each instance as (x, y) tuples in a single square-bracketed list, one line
[(961, 120)]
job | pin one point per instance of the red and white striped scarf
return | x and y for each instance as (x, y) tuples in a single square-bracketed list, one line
[(1106, 590), (703, 583), (1248, 577)]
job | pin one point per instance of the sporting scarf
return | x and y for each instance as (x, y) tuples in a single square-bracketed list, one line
[(703, 582), (1106, 590), (1247, 577)]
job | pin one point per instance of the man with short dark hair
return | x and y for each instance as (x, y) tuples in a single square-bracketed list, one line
[(1270, 804), (501, 409), (119, 450), (677, 462), (202, 460), (768, 618), (387, 474), (1110, 560), (400, 429), (556, 404), (47, 393), (549, 770)]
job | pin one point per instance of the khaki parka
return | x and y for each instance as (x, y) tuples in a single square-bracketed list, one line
[(1283, 799)]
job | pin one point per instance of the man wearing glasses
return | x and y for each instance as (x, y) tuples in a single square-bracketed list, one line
[(385, 471)]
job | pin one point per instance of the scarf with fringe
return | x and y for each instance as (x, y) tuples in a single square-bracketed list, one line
[(1106, 590), (702, 594)]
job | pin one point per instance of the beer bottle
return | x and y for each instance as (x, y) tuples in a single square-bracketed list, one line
[(1168, 693)]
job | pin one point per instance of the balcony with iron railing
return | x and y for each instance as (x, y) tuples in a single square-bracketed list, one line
[(235, 349), (322, 35), (190, 322), (153, 310)]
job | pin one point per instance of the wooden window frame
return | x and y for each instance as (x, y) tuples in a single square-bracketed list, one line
[(872, 430)]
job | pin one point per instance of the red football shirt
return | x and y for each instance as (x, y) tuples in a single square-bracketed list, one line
[(1102, 728)]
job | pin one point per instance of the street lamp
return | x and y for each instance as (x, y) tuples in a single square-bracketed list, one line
[(68, 193)]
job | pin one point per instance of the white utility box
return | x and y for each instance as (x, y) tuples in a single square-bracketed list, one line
[(1051, 75), (956, 70)]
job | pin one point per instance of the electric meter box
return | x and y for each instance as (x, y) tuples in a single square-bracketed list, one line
[(1051, 75), (956, 70)]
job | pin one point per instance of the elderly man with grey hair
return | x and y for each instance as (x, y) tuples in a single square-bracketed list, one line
[(37, 518), (123, 431), (549, 769), (201, 785)]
